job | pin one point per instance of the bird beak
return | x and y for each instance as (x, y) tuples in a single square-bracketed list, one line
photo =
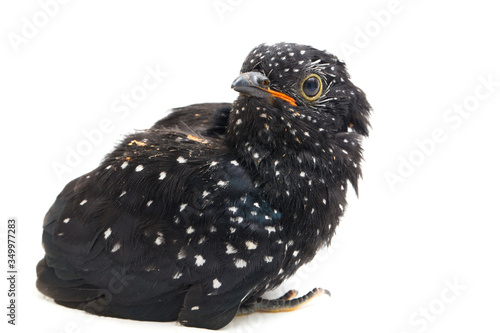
[(257, 85)]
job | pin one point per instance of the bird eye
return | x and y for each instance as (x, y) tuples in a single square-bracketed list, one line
[(311, 87)]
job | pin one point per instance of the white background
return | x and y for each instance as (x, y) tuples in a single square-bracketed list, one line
[(400, 246)]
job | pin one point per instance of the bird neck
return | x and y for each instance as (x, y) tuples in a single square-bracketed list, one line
[(302, 178)]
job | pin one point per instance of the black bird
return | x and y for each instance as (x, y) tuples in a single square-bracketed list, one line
[(196, 217)]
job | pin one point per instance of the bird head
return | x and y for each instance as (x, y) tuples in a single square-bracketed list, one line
[(307, 89)]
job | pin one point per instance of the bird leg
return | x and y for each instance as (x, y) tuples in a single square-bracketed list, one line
[(285, 303), (289, 295)]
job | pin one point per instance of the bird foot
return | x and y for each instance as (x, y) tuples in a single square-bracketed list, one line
[(285, 303)]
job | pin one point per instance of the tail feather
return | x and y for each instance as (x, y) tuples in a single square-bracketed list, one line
[(75, 291)]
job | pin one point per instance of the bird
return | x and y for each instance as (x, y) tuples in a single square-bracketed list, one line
[(195, 218)]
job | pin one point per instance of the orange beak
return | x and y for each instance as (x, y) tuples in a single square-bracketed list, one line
[(257, 85), (282, 96)]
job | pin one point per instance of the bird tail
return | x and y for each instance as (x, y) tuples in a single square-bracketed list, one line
[(71, 293)]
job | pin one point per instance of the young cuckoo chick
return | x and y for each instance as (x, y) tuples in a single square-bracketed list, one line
[(195, 218)]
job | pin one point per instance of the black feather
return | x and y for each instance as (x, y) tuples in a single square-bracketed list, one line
[(214, 204)]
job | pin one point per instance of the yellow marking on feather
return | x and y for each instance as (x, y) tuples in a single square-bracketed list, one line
[(197, 139), (139, 143)]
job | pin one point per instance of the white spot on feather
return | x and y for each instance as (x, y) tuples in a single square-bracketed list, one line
[(240, 263), (222, 183), (216, 284), (116, 247), (270, 229), (107, 233), (230, 249), (237, 219), (181, 254), (199, 260), (251, 245), (159, 240)]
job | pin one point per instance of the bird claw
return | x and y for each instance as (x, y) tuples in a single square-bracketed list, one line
[(284, 303)]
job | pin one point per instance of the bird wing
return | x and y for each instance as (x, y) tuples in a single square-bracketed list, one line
[(168, 216), (205, 118)]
